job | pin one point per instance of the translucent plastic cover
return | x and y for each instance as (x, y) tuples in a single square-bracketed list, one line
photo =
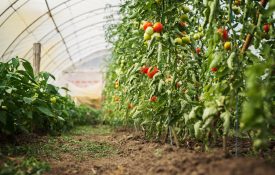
[(70, 31), (72, 36)]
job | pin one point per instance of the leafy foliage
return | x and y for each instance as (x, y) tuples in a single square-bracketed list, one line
[(29, 166), (207, 75), (28, 103)]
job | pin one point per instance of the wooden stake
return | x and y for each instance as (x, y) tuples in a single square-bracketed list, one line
[(36, 57), (175, 138), (249, 36), (224, 144)]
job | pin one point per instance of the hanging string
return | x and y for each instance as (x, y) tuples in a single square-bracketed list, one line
[(237, 97)]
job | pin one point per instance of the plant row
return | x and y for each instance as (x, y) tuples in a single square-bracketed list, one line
[(29, 103), (194, 69)]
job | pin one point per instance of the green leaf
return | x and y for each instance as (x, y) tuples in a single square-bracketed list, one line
[(45, 111), (27, 100), (216, 60), (9, 90), (230, 60), (28, 68), (197, 129), (60, 118), (226, 122), (208, 112), (15, 62)]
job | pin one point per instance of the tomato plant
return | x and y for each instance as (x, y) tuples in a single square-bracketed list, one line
[(200, 96)]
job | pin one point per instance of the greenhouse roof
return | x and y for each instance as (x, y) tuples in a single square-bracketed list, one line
[(71, 32)]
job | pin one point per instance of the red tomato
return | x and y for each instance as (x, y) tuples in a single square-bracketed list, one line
[(214, 69), (158, 27), (225, 35), (198, 50), (266, 28), (147, 24), (144, 69), (153, 99), (151, 73)]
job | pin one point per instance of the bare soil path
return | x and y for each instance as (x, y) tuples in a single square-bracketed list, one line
[(102, 150)]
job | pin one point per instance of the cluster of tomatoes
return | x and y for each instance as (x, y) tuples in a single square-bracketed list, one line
[(223, 33), (186, 38), (183, 23), (151, 30), (150, 71)]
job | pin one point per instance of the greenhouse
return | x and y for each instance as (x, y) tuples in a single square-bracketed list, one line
[(123, 87)]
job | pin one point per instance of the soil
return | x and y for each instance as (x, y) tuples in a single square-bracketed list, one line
[(134, 155)]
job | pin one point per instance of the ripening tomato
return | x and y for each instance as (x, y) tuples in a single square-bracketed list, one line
[(153, 99), (227, 45), (116, 98), (223, 33), (158, 27), (220, 31), (116, 84), (183, 24), (237, 2), (130, 106), (214, 69), (178, 85), (151, 73), (144, 69), (198, 50), (146, 24), (266, 28)]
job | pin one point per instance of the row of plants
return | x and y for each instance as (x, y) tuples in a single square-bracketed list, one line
[(29, 103), (195, 69)]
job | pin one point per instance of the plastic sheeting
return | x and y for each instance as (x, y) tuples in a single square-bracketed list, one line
[(71, 33)]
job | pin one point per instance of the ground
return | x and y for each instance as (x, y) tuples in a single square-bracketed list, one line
[(89, 150)]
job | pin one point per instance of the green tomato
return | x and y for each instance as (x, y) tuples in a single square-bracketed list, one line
[(196, 36), (156, 35), (149, 30), (53, 100), (201, 34), (236, 10), (146, 37), (200, 29), (178, 41), (186, 39), (184, 17), (186, 9)]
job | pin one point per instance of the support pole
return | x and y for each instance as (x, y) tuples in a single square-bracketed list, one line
[(36, 57)]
